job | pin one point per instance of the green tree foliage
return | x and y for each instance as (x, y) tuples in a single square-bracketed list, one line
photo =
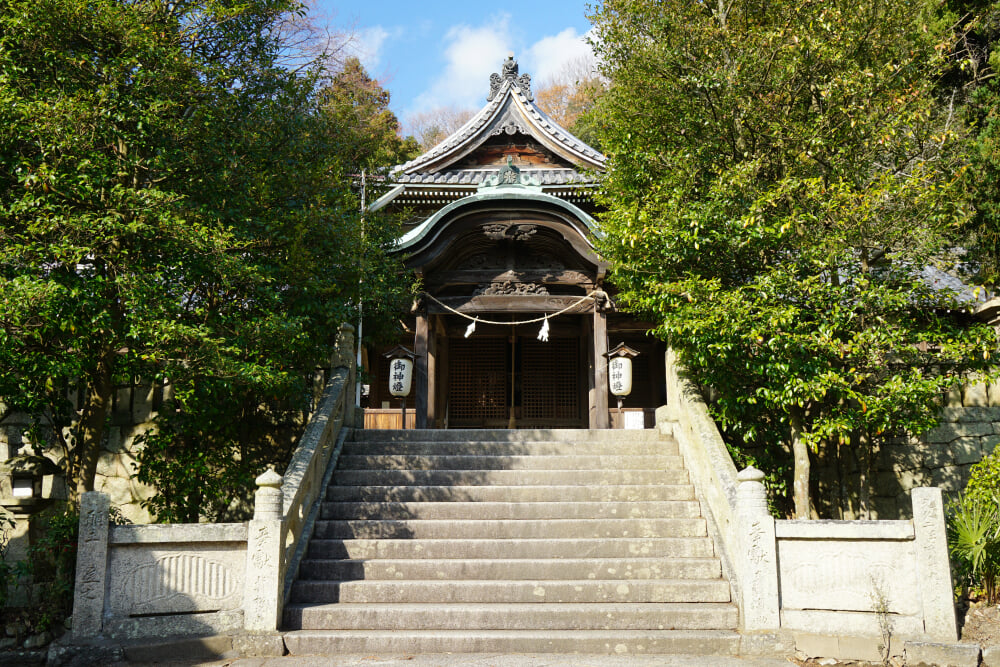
[(974, 528), (175, 204), (782, 176), (358, 102)]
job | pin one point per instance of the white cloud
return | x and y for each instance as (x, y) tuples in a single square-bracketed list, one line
[(471, 55), (367, 46), (548, 57)]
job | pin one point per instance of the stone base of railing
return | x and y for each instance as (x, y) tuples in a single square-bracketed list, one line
[(175, 650)]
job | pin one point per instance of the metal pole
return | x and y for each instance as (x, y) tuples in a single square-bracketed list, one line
[(361, 281)]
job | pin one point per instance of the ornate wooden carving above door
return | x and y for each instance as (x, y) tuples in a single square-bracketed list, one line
[(548, 258)]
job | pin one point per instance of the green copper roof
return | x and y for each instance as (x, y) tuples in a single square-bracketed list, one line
[(498, 193)]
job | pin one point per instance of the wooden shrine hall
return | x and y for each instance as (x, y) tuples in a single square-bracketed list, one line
[(515, 321)]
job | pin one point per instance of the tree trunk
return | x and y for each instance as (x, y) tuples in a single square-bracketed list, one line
[(90, 433), (843, 492), (800, 485), (864, 477)]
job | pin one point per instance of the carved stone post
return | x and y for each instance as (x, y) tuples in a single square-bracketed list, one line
[(933, 567), (263, 597), (759, 554), (345, 358), (91, 565)]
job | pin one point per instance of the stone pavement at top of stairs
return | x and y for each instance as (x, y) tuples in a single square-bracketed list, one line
[(490, 660)]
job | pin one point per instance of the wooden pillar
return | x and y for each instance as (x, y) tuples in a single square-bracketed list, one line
[(599, 417), (442, 365), (432, 372), (420, 350)]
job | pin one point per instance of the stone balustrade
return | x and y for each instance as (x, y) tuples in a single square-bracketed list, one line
[(709, 465), (843, 589), (136, 581)]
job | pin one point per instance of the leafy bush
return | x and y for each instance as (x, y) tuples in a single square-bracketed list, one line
[(49, 571), (984, 481), (974, 529), (6, 569)]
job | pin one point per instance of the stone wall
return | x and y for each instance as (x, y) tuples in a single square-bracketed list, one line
[(204, 579), (134, 411), (969, 430), (132, 414)]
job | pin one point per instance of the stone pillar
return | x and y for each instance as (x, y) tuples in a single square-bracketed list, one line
[(673, 399), (758, 556), (263, 597), (933, 567), (91, 565), (345, 358)]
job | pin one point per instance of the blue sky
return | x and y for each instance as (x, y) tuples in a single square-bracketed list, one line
[(435, 53)]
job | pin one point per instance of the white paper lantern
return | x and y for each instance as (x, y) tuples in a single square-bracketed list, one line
[(400, 376), (620, 376)]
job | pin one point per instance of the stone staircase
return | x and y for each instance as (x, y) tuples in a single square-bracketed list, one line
[(546, 541)]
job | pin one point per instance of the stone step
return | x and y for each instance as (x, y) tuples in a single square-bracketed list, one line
[(530, 616), (506, 494), (510, 541), (511, 568), (596, 642), (511, 528), (671, 547), (501, 591), (507, 477), (505, 435), (516, 510), (663, 446), (516, 462)]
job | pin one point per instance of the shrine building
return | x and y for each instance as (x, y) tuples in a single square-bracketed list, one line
[(515, 320)]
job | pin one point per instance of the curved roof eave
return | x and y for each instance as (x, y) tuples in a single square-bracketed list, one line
[(443, 150), (424, 229)]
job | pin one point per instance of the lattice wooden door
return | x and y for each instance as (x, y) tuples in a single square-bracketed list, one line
[(547, 382), (479, 382), (550, 382)]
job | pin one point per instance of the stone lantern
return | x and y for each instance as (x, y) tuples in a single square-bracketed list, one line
[(27, 473)]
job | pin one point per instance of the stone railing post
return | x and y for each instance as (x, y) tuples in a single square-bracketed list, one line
[(933, 566), (345, 358), (758, 554), (263, 597), (91, 565)]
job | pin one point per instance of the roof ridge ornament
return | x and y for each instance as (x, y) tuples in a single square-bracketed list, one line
[(509, 73)]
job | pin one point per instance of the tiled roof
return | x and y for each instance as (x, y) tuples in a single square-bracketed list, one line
[(510, 109), (941, 281), (509, 104), (476, 176)]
